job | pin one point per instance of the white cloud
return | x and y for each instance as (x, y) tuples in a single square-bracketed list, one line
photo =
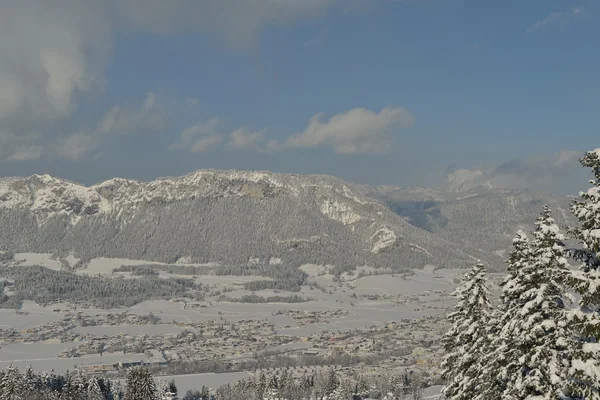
[(200, 137), (206, 143), (55, 52), (463, 180), (150, 118), (562, 19), (19, 147), (147, 119), (243, 138), (76, 145), (542, 172), (355, 131), (204, 136)]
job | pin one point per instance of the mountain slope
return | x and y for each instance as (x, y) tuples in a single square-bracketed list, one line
[(229, 217), (484, 218)]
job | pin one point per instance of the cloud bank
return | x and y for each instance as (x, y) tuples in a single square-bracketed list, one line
[(351, 132), (63, 47), (549, 172)]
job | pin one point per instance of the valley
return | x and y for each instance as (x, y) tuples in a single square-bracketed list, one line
[(233, 273)]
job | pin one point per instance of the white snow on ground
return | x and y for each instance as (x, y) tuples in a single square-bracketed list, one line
[(72, 260), (314, 269), (42, 259)]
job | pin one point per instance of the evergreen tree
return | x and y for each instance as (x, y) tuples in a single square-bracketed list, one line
[(140, 385), (70, 388), (261, 386), (173, 387), (331, 382), (470, 322), (11, 384), (205, 393), (342, 392), (31, 382), (587, 211), (493, 346), (585, 321), (536, 343), (94, 391), (361, 389)]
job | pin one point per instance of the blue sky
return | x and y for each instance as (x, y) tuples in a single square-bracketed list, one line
[(399, 92)]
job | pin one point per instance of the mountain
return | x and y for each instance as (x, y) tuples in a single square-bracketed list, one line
[(483, 218), (227, 217)]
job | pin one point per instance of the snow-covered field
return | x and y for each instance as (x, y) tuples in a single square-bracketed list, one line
[(114, 330), (369, 300), (42, 259)]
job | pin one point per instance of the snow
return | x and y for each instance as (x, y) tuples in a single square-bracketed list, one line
[(41, 259), (338, 211), (381, 239), (46, 196)]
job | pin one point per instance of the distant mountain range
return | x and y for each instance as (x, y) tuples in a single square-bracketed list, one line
[(482, 218), (237, 217)]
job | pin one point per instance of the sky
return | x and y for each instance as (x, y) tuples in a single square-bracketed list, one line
[(443, 93)]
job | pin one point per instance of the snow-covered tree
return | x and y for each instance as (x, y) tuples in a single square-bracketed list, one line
[(587, 211), (535, 343), (31, 382), (585, 320), (11, 384), (205, 393), (342, 392), (140, 385), (330, 382), (493, 346), (70, 388), (94, 391), (470, 321)]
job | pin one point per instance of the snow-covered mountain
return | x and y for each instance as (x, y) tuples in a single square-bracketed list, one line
[(216, 216), (481, 218)]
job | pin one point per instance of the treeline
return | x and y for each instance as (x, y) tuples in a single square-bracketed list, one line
[(6, 256), (284, 276), (140, 385), (44, 286), (280, 272), (253, 298)]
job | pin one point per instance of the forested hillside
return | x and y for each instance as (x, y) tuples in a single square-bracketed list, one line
[(228, 217)]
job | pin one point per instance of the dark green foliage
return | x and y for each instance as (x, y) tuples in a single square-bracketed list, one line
[(43, 286), (6, 255), (252, 298)]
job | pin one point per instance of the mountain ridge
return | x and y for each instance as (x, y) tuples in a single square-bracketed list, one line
[(216, 215)]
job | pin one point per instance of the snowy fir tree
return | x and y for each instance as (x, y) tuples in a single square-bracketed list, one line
[(535, 346), (94, 391), (11, 384), (587, 212), (585, 321), (493, 346), (342, 392), (470, 321), (140, 385)]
